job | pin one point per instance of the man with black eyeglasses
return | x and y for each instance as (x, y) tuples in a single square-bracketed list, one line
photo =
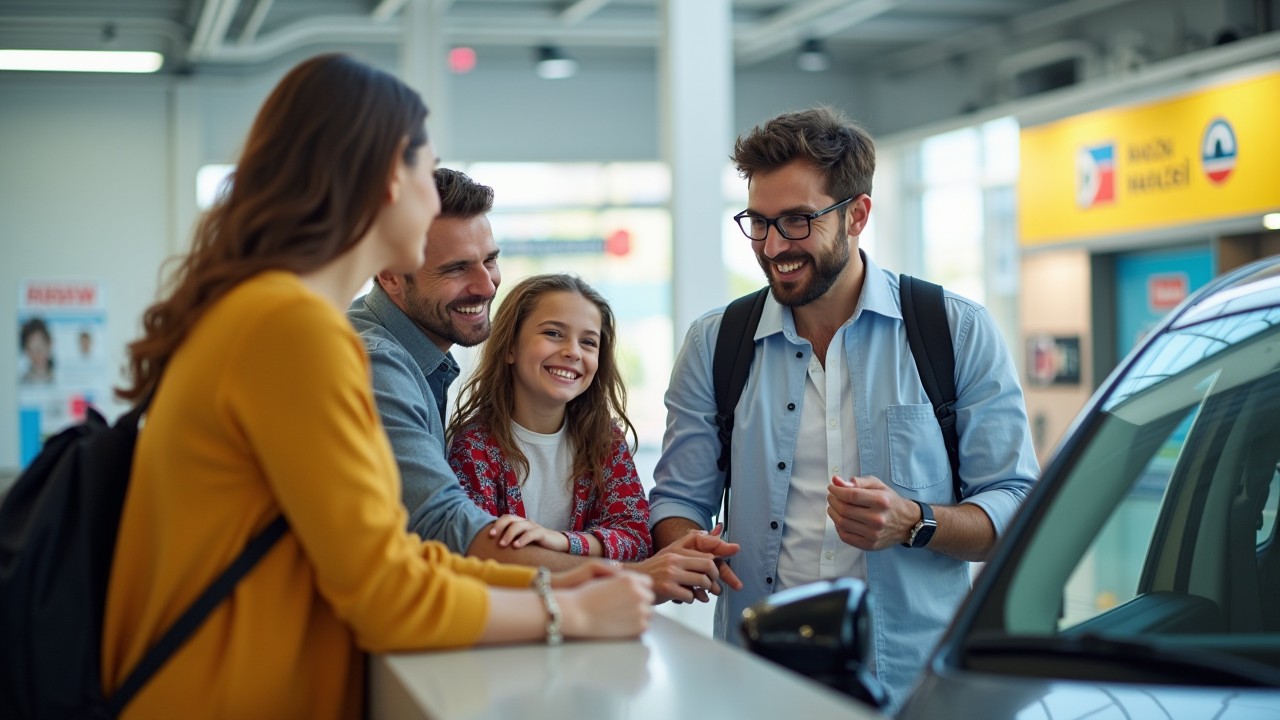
[(839, 466)]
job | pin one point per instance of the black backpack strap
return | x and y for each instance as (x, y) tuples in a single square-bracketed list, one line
[(929, 334), (730, 367), (187, 623)]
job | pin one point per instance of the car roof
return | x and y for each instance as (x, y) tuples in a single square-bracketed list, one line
[(1252, 287)]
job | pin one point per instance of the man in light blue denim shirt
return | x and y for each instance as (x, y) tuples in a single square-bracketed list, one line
[(409, 324), (836, 454)]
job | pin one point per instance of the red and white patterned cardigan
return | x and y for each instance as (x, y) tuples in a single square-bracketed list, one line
[(620, 520)]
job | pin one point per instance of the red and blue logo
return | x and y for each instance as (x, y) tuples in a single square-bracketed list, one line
[(1096, 175), (1218, 151)]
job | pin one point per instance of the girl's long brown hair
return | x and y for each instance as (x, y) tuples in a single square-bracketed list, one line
[(309, 184), (592, 419)]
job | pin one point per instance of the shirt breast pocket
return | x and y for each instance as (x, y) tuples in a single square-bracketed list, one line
[(917, 455)]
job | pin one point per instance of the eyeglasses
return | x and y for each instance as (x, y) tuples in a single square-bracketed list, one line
[(793, 226)]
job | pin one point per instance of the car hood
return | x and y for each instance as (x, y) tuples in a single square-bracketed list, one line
[(996, 697)]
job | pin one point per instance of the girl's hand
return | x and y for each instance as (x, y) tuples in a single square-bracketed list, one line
[(612, 607), (584, 572), (517, 532)]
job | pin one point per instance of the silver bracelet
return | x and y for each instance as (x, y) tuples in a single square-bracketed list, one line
[(542, 584)]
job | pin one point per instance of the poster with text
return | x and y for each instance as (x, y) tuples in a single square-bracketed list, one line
[(62, 364)]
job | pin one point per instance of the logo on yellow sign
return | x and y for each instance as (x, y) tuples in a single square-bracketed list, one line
[(1218, 151)]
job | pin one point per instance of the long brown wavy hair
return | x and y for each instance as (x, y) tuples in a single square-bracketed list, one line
[(309, 184), (592, 420)]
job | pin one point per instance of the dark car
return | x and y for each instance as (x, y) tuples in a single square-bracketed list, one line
[(1141, 579)]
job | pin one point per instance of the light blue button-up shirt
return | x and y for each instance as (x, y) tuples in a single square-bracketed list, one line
[(411, 378), (915, 591)]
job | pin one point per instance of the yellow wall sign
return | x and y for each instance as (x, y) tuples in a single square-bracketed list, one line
[(1209, 155)]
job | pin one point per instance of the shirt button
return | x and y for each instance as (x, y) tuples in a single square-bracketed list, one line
[(444, 366), (799, 354), (782, 466), (835, 469), (829, 554), (774, 525), (834, 422), (768, 581), (791, 406)]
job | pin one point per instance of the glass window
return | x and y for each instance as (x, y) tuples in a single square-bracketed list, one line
[(1111, 568), (606, 222), (967, 214)]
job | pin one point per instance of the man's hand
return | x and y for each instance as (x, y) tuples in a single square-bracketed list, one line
[(690, 567), (868, 514), (517, 532)]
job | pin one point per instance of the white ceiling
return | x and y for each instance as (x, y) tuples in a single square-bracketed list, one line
[(198, 35)]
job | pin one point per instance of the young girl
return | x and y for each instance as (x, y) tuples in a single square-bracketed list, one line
[(538, 436), (261, 406)]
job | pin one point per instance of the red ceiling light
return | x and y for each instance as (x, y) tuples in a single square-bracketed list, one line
[(462, 60)]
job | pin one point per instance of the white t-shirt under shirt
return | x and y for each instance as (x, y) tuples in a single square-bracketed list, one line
[(547, 490), (811, 548)]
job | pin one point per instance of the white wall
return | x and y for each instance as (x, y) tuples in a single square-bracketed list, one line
[(85, 194)]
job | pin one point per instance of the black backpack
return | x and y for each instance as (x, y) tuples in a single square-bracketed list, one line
[(58, 527), (925, 317)]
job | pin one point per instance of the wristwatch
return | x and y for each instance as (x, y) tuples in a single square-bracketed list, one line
[(922, 533)]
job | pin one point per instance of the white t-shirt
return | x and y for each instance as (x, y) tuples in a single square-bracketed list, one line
[(547, 489)]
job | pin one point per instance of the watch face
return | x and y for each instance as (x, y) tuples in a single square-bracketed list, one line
[(923, 535)]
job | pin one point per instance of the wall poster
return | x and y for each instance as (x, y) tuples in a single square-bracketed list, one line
[(62, 364)]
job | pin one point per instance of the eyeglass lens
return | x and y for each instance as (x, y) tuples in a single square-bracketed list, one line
[(791, 227)]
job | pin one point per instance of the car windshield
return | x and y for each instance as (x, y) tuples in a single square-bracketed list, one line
[(1159, 542)]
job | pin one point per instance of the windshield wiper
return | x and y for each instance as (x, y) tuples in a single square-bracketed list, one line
[(1098, 657)]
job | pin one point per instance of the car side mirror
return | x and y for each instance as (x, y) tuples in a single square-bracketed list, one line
[(821, 630)]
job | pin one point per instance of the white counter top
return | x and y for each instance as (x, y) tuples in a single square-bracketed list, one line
[(672, 672)]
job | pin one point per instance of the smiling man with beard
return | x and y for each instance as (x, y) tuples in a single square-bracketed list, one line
[(837, 458), (409, 323)]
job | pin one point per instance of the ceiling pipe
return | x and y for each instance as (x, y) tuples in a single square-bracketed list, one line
[(254, 23), (580, 11), (386, 10), (215, 18)]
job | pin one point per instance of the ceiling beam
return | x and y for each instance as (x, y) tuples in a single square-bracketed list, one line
[(994, 34), (787, 29), (581, 10), (387, 9), (254, 23), (215, 18)]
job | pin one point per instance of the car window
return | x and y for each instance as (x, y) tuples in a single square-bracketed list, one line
[(1162, 528), (1108, 573)]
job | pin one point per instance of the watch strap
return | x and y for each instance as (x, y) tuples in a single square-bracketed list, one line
[(923, 531)]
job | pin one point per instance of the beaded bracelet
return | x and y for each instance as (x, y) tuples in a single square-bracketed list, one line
[(542, 584)]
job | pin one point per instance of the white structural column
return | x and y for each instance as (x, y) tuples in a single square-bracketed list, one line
[(695, 66), (423, 54), (186, 131)]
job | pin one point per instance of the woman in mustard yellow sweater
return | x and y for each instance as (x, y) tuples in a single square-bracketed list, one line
[(261, 405)]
